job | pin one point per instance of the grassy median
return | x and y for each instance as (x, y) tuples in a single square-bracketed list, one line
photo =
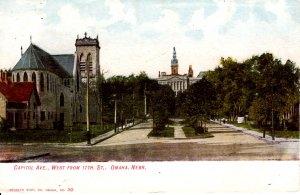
[(167, 132), (279, 134), (73, 135), (190, 133)]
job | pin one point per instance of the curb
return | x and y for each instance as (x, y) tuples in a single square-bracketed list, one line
[(116, 133), (25, 158), (254, 134)]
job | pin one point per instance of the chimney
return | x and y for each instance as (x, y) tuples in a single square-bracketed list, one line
[(1, 76), (7, 77), (191, 72), (21, 51), (158, 74)]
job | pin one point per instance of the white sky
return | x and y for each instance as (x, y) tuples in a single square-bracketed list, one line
[(138, 35)]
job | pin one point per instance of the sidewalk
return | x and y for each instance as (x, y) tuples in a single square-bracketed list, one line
[(178, 132), (259, 135), (109, 134)]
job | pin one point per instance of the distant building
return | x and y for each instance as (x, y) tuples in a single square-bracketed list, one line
[(51, 89), (19, 102), (178, 82), (202, 74)]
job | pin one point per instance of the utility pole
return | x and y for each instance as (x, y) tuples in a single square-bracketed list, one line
[(145, 101), (101, 100), (272, 91), (88, 135), (115, 114)]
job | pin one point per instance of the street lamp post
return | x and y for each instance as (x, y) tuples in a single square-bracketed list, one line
[(145, 103), (299, 103), (115, 114), (273, 130)]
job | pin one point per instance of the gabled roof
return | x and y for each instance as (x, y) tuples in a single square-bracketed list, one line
[(35, 58), (66, 61), (19, 92)]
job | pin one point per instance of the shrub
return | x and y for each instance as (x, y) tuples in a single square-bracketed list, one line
[(199, 130), (4, 125)]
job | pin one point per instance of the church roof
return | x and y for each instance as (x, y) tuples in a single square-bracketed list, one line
[(19, 92), (66, 61), (35, 58)]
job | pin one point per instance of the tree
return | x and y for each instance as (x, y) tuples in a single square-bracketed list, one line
[(162, 106), (130, 93), (276, 89), (260, 87), (200, 102)]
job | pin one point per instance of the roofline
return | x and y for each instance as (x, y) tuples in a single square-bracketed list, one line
[(61, 54), (159, 79), (44, 67), (39, 70), (1, 94)]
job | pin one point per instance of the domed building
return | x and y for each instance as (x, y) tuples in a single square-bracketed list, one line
[(178, 82)]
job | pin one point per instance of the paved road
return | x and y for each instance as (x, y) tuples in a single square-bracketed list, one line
[(134, 145)]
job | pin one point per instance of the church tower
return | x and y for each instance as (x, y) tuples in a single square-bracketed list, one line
[(174, 63), (87, 50)]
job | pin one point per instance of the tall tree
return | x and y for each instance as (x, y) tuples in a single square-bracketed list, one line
[(200, 102), (162, 103)]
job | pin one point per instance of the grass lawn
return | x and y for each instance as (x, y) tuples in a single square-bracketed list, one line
[(52, 135), (282, 134), (167, 132), (190, 133)]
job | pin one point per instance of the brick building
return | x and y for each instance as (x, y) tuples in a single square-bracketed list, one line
[(178, 82)]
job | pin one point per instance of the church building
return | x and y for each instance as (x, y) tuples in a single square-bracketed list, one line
[(56, 87), (178, 82)]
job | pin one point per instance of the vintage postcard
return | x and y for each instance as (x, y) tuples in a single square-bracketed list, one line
[(149, 96)]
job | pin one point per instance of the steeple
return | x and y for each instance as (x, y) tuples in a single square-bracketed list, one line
[(174, 63)]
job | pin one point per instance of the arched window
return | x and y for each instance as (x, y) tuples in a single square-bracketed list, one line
[(50, 83), (89, 63), (77, 81), (61, 100), (33, 77), (42, 82), (18, 77), (47, 82), (13, 78), (25, 77), (82, 63), (54, 84)]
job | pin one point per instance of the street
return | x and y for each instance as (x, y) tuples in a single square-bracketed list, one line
[(133, 145)]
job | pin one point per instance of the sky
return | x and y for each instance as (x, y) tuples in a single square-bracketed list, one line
[(139, 35)]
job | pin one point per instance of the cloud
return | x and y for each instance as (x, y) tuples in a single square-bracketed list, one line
[(167, 23), (118, 13), (17, 27), (132, 39), (212, 23)]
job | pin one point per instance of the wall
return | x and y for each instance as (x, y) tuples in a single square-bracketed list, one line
[(2, 106)]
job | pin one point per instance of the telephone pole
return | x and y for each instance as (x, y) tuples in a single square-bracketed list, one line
[(88, 133)]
